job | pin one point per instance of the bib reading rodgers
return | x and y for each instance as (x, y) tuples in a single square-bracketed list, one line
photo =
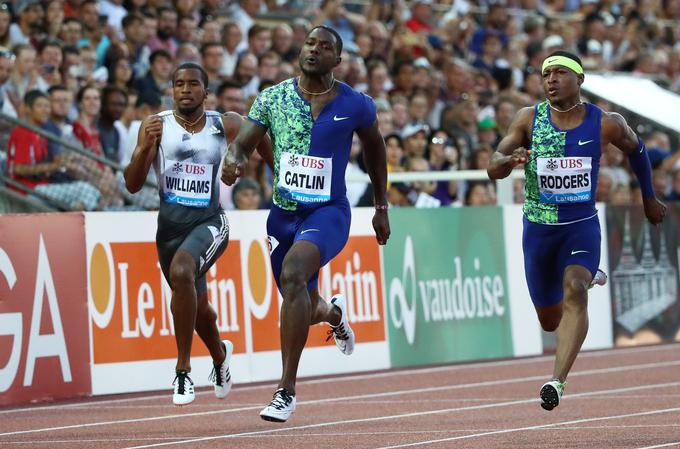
[(564, 179), (306, 179), (187, 183)]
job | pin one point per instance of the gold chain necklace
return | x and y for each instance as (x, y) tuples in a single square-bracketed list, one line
[(187, 124), (565, 110), (316, 93)]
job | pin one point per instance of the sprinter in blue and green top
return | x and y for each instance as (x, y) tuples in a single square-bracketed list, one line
[(559, 142), (311, 121)]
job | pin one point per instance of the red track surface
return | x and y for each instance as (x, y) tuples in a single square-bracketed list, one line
[(623, 398)]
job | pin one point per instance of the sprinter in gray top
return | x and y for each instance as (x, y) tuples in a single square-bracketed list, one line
[(186, 146)]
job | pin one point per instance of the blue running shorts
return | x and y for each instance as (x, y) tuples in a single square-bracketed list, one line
[(326, 226), (549, 249)]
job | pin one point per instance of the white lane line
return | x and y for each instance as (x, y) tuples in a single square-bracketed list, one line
[(540, 427), (677, 443), (370, 376), (413, 415), (365, 396)]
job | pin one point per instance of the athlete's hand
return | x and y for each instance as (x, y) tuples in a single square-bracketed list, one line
[(655, 210), (234, 166), (152, 132), (381, 225), (518, 157)]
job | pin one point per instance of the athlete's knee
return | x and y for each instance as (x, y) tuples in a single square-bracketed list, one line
[(576, 290), (181, 274), (293, 280)]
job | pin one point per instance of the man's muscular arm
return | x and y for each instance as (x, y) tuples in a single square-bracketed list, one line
[(511, 150)]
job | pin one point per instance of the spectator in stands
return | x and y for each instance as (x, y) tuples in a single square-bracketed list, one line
[(30, 19), (674, 194), (402, 76), (268, 66), (85, 130), (188, 31), (29, 161), (245, 74), (5, 20), (120, 73), (112, 133), (246, 194), (7, 59), (24, 76), (282, 42), (332, 13), (54, 18), (230, 98), (135, 38), (423, 190), (93, 30), (164, 38), (61, 100), (157, 80), (394, 149), (50, 58), (414, 136), (244, 14), (259, 40), (477, 194), (210, 30), (212, 58), (71, 32), (231, 38), (187, 53)]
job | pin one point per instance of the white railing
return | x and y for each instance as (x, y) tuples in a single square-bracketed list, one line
[(504, 188)]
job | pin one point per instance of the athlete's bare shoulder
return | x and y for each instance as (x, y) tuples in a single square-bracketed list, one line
[(613, 125), (232, 123)]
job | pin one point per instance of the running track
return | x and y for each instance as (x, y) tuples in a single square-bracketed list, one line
[(622, 398)]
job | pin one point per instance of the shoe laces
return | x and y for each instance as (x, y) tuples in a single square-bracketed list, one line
[(338, 331), (282, 399), (182, 380), (216, 375)]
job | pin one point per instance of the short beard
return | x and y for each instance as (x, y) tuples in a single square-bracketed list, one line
[(187, 111)]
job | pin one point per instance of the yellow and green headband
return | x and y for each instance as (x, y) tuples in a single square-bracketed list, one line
[(563, 61)]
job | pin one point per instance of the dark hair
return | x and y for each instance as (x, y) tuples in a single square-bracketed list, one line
[(338, 39), (131, 18), (56, 88), (32, 95), (206, 45), (227, 84), (161, 52), (108, 90), (566, 54), (82, 90), (194, 66)]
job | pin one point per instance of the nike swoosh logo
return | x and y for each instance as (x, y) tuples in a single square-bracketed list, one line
[(309, 230), (579, 251), (583, 142), (337, 119)]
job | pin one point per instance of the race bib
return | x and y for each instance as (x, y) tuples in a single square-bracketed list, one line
[(306, 179), (187, 184), (564, 179)]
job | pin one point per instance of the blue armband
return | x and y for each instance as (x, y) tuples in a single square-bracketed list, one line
[(639, 162)]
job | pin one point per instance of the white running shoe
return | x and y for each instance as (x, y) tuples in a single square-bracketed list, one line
[(551, 393), (342, 333), (220, 375), (280, 408), (184, 389), (600, 278)]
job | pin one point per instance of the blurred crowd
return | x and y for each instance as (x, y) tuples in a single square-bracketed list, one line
[(447, 78)]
